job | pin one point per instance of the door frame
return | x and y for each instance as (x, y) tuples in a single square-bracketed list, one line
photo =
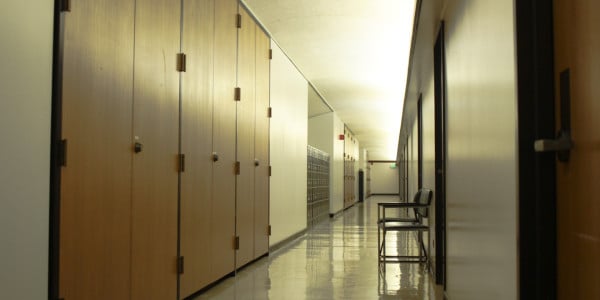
[(440, 155), (536, 118), (55, 159), (420, 142)]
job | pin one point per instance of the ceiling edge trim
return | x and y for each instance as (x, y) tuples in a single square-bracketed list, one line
[(403, 121)]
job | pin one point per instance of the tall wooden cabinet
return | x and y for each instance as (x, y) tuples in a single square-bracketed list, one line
[(252, 199), (245, 139), (154, 194), (208, 141), (261, 144), (197, 104), (95, 205), (119, 205), (351, 154), (224, 131), (164, 171)]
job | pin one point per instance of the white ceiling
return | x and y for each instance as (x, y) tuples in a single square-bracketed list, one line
[(355, 53)]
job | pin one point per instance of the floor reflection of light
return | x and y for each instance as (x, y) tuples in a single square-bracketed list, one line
[(336, 259)]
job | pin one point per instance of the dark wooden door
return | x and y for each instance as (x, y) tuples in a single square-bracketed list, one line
[(577, 74)]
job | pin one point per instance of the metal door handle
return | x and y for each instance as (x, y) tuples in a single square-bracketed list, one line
[(215, 156), (138, 147), (256, 163), (562, 145)]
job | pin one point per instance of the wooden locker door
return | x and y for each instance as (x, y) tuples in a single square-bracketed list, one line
[(155, 167), (245, 140), (577, 45), (95, 228), (196, 144), (223, 200), (261, 147)]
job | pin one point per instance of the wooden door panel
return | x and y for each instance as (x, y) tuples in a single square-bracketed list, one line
[(196, 144), (224, 118), (577, 45), (94, 258), (155, 168), (261, 147), (245, 140)]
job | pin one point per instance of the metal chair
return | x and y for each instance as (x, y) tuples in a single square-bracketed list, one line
[(388, 223)]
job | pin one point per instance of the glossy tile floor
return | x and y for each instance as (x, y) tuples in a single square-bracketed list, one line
[(335, 259)]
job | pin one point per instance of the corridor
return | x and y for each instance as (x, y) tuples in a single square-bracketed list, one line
[(336, 259)]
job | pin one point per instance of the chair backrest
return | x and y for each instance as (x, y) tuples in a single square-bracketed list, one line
[(423, 196)]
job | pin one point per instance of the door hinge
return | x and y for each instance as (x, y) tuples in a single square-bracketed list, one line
[(181, 163), (62, 153), (237, 168), (237, 96), (236, 243), (239, 21), (180, 265), (269, 171), (269, 230), (65, 5), (270, 53), (270, 112), (181, 62)]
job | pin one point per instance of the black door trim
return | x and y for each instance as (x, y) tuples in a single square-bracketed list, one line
[(537, 184), (420, 142), (55, 159), (440, 156)]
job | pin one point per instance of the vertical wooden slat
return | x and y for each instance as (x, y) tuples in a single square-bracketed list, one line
[(261, 145), (96, 120), (245, 140), (196, 143), (223, 200), (155, 169)]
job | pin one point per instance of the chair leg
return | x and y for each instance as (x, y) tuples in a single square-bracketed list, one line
[(383, 244), (379, 243), (420, 242), (422, 248)]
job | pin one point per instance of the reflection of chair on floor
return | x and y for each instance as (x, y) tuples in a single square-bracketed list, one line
[(390, 219)]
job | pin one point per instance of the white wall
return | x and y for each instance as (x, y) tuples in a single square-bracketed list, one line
[(320, 131), (384, 179), (482, 150), (481, 147), (289, 96), (25, 104), (337, 167), (356, 168), (323, 133)]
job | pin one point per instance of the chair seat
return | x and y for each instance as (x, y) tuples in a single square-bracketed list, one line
[(397, 219), (402, 226)]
